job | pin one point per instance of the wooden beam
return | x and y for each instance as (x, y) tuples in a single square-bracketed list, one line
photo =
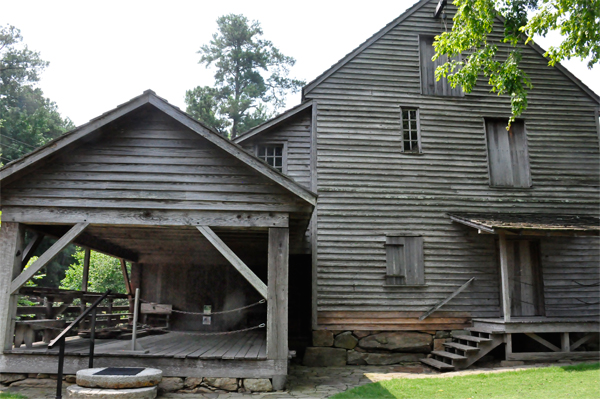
[(542, 341), (277, 301), (505, 283), (47, 256), (86, 270), (583, 340), (126, 277), (144, 217), (35, 242), (448, 299), (234, 260), (12, 236)]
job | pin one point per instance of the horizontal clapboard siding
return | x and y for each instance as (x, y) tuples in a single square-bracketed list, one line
[(148, 162), (296, 133), (368, 189)]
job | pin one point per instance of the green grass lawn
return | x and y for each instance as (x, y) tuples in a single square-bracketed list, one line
[(6, 395), (579, 381)]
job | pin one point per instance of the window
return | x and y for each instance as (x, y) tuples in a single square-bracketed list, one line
[(273, 154), (404, 258), (508, 158), (411, 130), (429, 86)]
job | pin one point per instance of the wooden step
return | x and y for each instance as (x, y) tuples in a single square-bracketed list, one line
[(471, 338), (449, 355), (483, 330), (436, 364), (464, 348)]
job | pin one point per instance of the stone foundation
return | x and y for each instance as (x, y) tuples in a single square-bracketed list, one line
[(339, 348)]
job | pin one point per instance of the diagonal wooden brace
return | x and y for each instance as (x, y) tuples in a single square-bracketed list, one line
[(234, 260), (47, 256)]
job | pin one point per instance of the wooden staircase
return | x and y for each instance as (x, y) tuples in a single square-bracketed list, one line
[(464, 350)]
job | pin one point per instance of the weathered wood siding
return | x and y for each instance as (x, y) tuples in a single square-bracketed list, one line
[(367, 188), (296, 134), (151, 162)]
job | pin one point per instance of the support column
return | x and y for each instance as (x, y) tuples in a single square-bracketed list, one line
[(277, 301), (12, 237), (504, 276)]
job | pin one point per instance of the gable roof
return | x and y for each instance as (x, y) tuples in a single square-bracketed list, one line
[(281, 118), (25, 163), (335, 67)]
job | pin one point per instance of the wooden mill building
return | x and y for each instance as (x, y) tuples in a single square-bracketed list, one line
[(430, 214)]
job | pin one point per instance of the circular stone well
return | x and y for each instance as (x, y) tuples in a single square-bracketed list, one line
[(145, 378), (77, 392)]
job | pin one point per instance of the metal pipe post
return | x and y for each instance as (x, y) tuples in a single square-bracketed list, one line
[(61, 363)]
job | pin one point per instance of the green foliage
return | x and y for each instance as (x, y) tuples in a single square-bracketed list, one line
[(251, 75), (581, 381), (104, 274), (577, 20), (27, 119), (10, 395)]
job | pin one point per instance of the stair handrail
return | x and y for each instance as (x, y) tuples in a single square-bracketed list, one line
[(445, 301), (60, 339)]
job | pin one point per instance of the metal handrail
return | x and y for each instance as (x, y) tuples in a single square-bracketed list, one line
[(60, 339)]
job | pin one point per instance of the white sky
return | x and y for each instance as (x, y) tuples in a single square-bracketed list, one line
[(103, 53)]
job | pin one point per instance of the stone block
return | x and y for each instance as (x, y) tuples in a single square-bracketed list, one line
[(460, 332), (77, 392), (345, 340), (362, 334), (324, 357), (71, 379), (398, 342), (227, 384), (258, 385), (382, 359), (192, 382), (9, 378), (35, 383), (148, 377), (169, 384), (322, 338), (438, 344), (442, 334)]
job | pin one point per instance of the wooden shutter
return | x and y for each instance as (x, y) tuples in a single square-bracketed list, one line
[(508, 158), (404, 257), (429, 86)]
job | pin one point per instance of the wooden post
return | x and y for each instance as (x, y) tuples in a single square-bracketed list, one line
[(504, 276), (509, 348), (12, 236), (86, 270), (565, 342), (277, 300)]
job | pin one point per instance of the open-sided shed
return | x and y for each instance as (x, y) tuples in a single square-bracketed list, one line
[(148, 184)]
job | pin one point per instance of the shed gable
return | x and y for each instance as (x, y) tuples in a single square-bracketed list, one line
[(147, 160)]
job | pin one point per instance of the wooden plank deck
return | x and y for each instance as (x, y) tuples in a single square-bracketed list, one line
[(241, 346), (538, 324)]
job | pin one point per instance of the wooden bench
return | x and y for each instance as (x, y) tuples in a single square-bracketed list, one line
[(25, 330), (159, 309)]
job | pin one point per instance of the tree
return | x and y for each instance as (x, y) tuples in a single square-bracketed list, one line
[(578, 21), (27, 118), (104, 273), (251, 76)]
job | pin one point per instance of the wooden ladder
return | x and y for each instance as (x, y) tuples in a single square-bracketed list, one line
[(464, 350)]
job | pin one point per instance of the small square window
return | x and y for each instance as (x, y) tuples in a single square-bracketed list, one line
[(411, 131), (272, 154)]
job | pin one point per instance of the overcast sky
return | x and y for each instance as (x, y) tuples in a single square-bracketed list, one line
[(103, 53)]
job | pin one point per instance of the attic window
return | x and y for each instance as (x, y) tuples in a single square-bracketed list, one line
[(430, 86), (272, 154), (411, 130)]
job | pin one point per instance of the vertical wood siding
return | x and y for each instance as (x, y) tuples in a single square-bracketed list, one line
[(367, 188)]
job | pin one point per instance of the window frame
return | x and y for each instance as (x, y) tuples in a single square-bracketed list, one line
[(282, 144), (419, 150), (405, 273)]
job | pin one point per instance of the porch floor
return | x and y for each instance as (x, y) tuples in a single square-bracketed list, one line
[(250, 345), (538, 324)]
